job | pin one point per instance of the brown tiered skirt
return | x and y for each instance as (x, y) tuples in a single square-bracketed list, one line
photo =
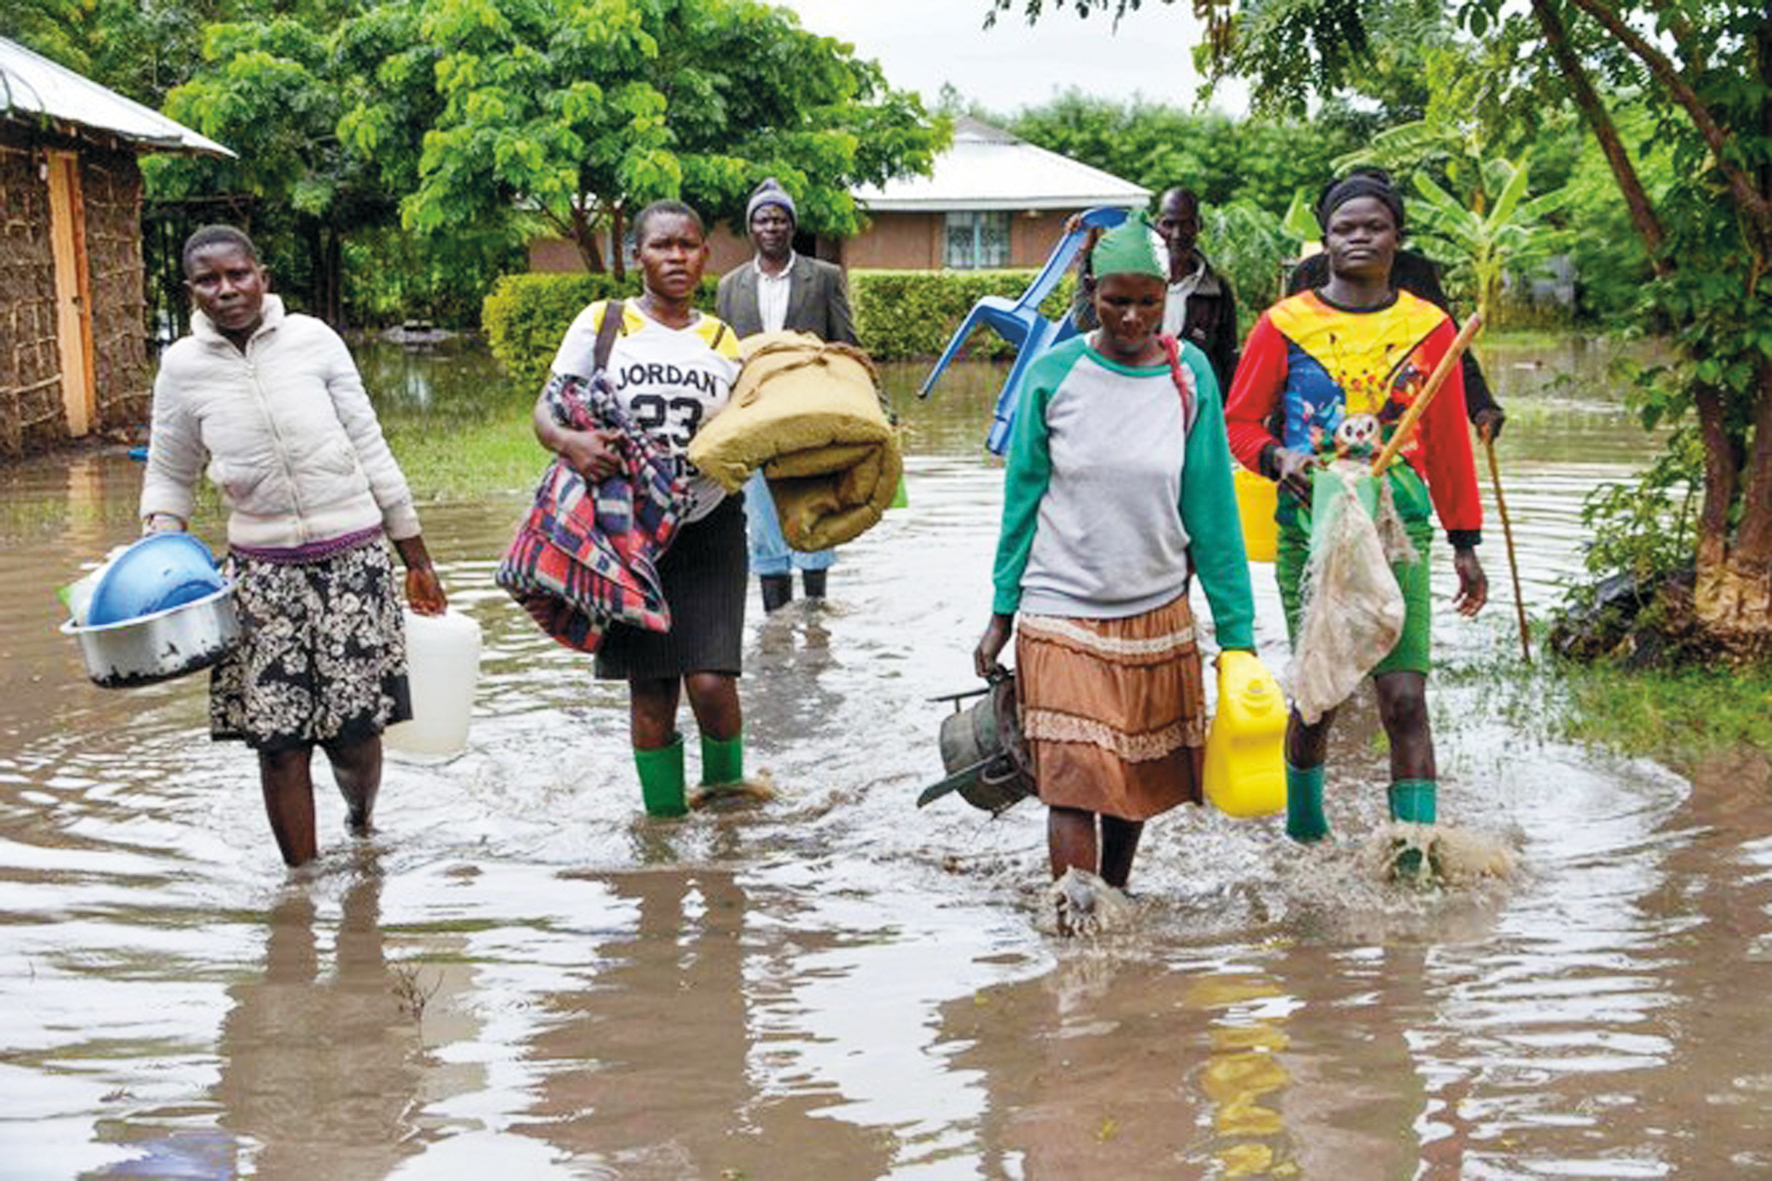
[(1113, 710)]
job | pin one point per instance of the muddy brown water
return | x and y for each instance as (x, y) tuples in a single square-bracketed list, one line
[(520, 976)]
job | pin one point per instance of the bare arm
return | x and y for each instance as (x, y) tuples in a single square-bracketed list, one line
[(591, 454), (424, 590)]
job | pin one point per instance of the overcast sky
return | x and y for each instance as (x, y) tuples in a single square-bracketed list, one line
[(923, 43)]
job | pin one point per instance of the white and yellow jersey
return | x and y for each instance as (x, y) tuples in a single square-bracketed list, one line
[(669, 380)]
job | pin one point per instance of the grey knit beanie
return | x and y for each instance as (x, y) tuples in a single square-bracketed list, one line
[(770, 192)]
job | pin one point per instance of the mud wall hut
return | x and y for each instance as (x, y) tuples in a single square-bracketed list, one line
[(73, 331)]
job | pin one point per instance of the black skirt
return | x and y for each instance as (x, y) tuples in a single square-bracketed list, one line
[(704, 576)]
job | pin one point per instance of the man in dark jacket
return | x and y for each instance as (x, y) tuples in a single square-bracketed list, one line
[(1201, 307), (780, 290)]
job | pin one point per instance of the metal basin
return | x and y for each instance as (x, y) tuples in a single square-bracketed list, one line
[(160, 646)]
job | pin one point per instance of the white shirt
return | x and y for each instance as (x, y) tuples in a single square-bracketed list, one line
[(1175, 310), (670, 381), (772, 294)]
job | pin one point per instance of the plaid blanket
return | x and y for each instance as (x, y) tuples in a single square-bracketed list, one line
[(583, 557)]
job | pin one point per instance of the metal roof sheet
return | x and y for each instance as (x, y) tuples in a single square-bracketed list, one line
[(33, 85), (988, 168)]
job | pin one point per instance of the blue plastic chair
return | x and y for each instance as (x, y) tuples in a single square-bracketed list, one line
[(1019, 322)]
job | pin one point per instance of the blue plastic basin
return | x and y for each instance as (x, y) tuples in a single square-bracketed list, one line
[(161, 571)]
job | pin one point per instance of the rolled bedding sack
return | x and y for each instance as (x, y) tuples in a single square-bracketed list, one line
[(810, 415)]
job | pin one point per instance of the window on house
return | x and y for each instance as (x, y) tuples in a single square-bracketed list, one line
[(977, 239)]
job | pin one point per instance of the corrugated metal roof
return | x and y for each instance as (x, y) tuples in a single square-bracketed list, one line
[(988, 168), (32, 85)]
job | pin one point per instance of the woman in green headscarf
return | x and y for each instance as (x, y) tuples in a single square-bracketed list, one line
[(1118, 492)]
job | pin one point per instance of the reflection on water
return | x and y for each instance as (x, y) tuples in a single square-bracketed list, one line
[(320, 1054), (837, 984)]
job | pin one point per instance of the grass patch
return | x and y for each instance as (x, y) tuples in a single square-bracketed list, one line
[(468, 461), (1687, 713), (1673, 715)]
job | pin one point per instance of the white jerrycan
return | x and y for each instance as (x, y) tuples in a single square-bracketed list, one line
[(442, 669)]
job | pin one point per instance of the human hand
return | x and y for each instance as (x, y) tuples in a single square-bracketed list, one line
[(592, 454), (1488, 422), (424, 590), (1473, 584), (990, 645), (1292, 471)]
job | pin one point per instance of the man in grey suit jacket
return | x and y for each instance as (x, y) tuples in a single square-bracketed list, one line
[(780, 290)]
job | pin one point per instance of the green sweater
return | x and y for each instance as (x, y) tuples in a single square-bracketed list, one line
[(1111, 501)]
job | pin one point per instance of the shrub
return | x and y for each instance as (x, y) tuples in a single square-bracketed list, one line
[(898, 314), (525, 316), (910, 314)]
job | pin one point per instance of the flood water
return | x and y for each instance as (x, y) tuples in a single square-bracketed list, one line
[(521, 976)]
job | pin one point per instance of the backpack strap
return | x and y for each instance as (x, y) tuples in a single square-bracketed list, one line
[(718, 336), (614, 323)]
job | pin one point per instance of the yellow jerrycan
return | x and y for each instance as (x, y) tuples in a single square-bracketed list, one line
[(1246, 746), (1257, 498)]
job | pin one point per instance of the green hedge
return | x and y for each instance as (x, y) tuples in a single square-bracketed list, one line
[(898, 314), (525, 316), (901, 315)]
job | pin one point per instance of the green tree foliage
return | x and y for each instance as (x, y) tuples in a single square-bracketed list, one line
[(1702, 70), (1158, 146), (1252, 248), (392, 275), (274, 92), (1296, 50), (474, 122), (139, 48), (584, 110), (1512, 236), (1611, 261), (52, 28)]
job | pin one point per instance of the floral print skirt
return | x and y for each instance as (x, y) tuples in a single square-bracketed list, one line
[(322, 654)]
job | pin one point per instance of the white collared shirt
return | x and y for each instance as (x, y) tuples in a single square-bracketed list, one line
[(772, 295)]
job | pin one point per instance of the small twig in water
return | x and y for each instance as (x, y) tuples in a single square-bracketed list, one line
[(410, 990)]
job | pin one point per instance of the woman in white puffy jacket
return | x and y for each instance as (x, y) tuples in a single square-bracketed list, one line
[(273, 402)]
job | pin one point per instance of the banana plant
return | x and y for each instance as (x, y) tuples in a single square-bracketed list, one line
[(1511, 235)]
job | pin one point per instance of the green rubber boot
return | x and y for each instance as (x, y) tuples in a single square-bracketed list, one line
[(1305, 821), (661, 778), (1412, 801), (722, 760)]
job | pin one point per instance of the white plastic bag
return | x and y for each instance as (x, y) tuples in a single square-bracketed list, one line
[(1351, 612)]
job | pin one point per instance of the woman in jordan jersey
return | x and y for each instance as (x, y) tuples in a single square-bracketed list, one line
[(672, 369)]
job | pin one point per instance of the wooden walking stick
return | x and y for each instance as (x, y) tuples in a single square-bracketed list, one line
[(1507, 533)]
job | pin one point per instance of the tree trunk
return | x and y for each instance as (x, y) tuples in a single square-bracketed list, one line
[(1733, 597), (334, 262), (618, 242), (1642, 213), (584, 236), (325, 264), (1719, 495)]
